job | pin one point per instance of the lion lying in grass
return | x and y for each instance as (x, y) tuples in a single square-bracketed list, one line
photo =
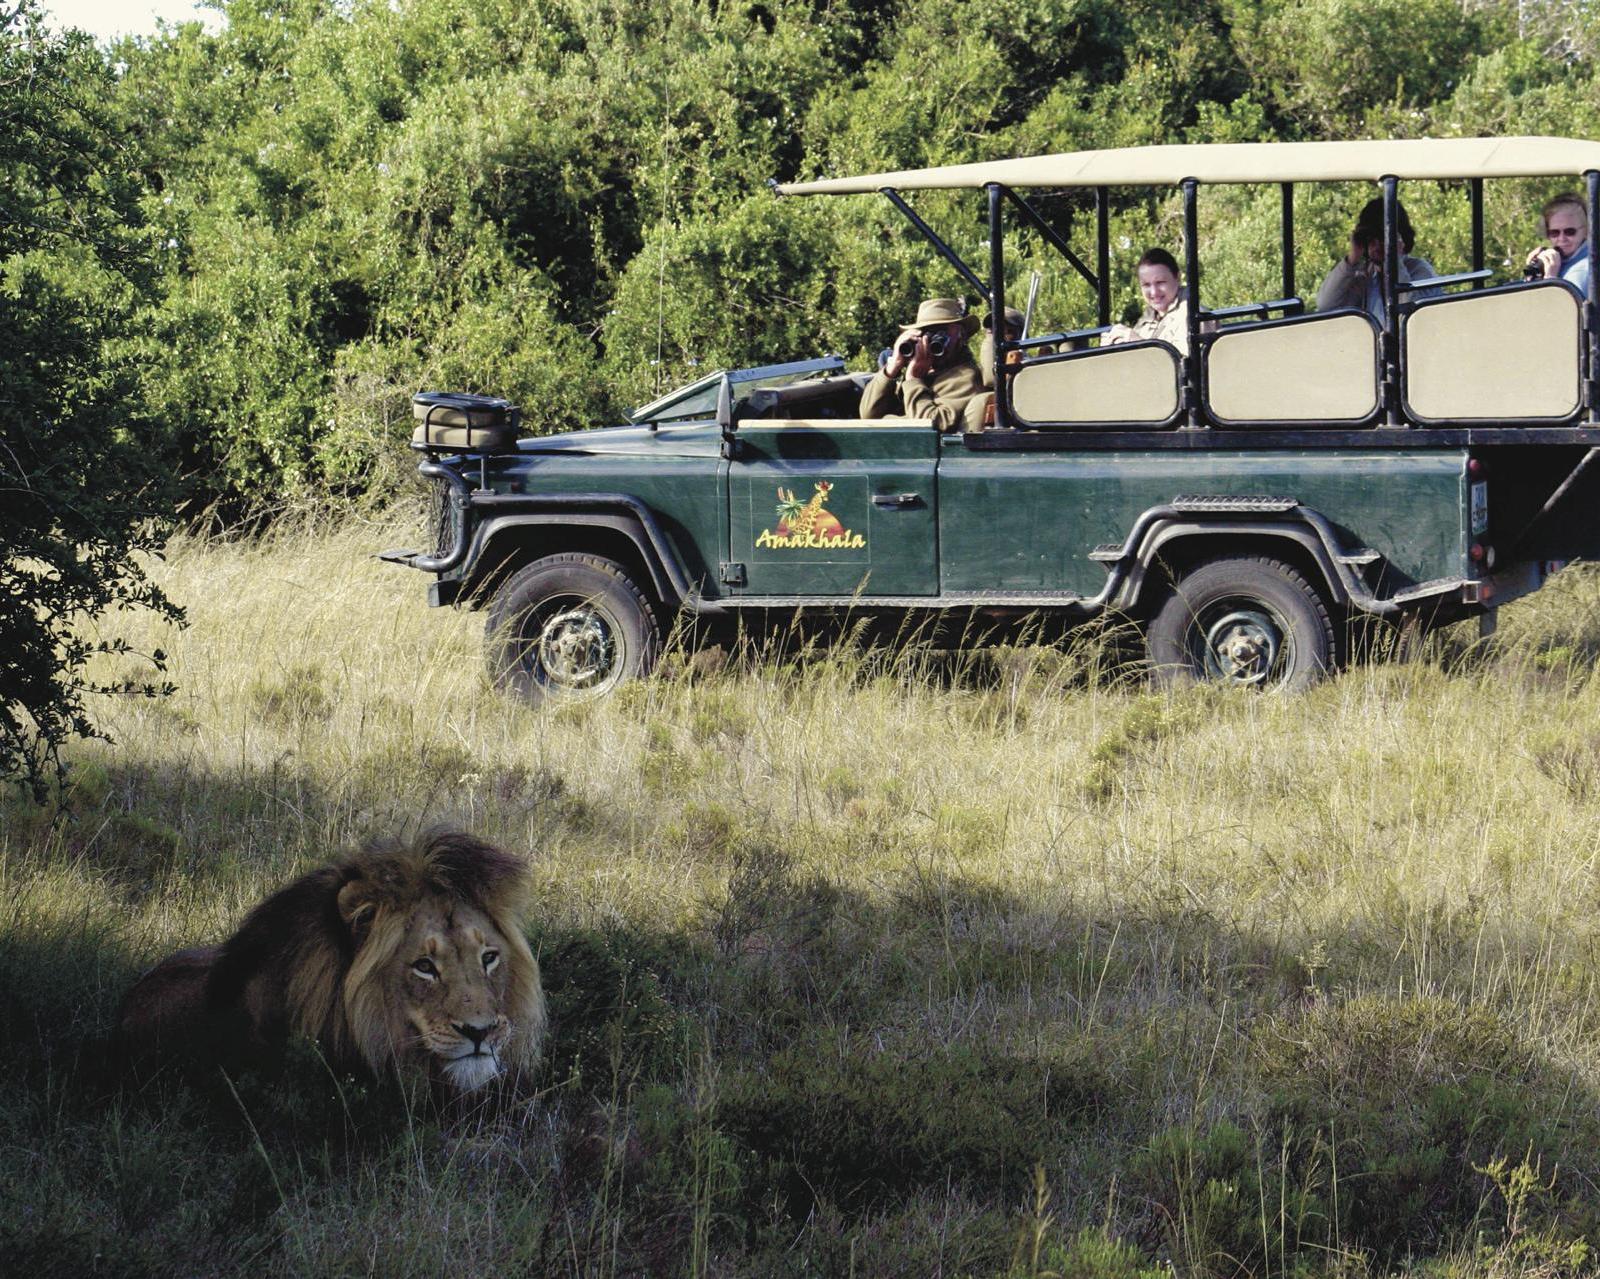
[(396, 956)]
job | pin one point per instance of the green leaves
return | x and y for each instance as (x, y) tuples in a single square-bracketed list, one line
[(84, 490), (1329, 63), (563, 201)]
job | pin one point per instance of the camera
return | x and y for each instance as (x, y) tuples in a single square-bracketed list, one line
[(1534, 270)]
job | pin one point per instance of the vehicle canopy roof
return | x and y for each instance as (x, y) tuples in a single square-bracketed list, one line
[(1225, 162)]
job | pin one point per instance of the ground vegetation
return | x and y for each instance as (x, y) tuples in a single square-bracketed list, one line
[(873, 962)]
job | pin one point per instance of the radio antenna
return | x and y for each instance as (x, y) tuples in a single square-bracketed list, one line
[(661, 271)]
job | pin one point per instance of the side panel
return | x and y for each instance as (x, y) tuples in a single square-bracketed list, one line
[(1027, 521), (682, 493), (834, 510)]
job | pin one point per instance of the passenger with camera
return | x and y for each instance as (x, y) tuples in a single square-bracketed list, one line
[(928, 372), (1357, 278), (1564, 221)]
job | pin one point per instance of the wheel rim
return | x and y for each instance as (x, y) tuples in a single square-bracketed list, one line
[(574, 646), (1243, 642)]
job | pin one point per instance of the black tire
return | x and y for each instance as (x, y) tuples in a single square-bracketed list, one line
[(1242, 620), (570, 628)]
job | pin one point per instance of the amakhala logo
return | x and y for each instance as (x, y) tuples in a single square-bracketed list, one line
[(809, 525)]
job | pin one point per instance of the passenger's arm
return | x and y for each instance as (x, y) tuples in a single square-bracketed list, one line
[(881, 398), (1345, 285), (943, 399), (978, 413), (922, 402)]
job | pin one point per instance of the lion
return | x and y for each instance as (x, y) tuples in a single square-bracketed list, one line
[(397, 956)]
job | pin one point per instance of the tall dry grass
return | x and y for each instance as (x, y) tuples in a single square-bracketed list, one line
[(862, 962)]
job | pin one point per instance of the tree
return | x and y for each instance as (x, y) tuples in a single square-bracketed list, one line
[(1330, 64), (82, 492)]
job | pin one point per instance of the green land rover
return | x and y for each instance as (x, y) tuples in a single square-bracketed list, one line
[(1244, 502)]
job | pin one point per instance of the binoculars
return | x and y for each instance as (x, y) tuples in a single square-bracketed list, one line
[(1533, 271), (938, 344)]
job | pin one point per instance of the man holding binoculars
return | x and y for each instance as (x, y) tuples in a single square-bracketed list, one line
[(929, 373)]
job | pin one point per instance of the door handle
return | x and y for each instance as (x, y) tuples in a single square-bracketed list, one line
[(897, 500)]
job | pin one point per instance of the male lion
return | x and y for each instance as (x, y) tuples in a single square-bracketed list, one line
[(408, 956)]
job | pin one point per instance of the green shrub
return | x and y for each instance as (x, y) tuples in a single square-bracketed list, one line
[(611, 1021), (1406, 1101), (860, 1126)]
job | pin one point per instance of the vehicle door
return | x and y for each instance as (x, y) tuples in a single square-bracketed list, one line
[(817, 508)]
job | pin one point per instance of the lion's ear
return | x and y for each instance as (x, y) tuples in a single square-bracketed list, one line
[(358, 908)]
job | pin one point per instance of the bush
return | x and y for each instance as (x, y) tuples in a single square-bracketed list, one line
[(857, 1125), (80, 467), (1410, 1100)]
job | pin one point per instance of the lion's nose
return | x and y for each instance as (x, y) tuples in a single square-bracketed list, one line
[(477, 1034)]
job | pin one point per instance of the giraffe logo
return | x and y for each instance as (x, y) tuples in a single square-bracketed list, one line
[(807, 524)]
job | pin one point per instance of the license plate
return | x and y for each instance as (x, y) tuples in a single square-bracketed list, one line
[(1480, 507)]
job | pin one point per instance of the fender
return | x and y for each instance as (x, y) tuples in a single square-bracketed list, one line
[(501, 513), (1168, 532), (1279, 517)]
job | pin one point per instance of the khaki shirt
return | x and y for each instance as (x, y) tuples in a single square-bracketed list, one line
[(1173, 327), (940, 398)]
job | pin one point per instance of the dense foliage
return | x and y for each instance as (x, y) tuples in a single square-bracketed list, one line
[(564, 201), (233, 257), (79, 488)]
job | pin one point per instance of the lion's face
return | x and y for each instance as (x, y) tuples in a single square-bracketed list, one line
[(447, 979)]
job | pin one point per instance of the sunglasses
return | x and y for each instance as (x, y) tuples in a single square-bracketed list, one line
[(1563, 233)]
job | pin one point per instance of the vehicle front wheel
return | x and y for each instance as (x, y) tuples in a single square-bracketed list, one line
[(1248, 621), (569, 628)]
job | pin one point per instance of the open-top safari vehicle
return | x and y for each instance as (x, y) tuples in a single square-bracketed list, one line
[(1293, 472)]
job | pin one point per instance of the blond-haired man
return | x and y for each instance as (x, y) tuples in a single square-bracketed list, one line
[(1564, 222)]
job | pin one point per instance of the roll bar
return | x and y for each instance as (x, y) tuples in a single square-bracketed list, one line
[(993, 290)]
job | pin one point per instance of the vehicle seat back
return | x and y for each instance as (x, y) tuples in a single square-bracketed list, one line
[(1511, 353), (1312, 368), (1133, 385)]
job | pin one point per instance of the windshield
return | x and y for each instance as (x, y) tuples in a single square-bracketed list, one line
[(697, 402)]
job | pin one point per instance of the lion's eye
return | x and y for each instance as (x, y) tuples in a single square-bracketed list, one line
[(425, 968), (490, 959)]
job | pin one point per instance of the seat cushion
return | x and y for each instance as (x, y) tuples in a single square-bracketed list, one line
[(1317, 369), (1133, 385)]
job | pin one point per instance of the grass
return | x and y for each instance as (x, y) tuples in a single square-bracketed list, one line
[(858, 963)]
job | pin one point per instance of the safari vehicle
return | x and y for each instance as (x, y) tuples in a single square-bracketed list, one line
[(1246, 503)]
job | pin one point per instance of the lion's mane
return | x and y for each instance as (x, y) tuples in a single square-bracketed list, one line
[(309, 960)]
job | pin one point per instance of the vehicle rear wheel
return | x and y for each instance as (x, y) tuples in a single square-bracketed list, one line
[(1248, 621), (569, 628)]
